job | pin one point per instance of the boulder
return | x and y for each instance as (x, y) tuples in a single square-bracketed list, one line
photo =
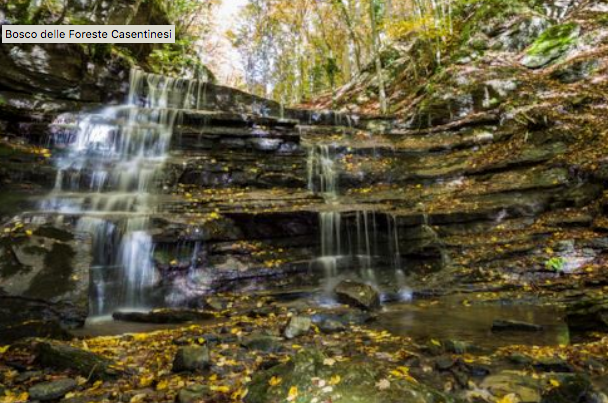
[(192, 359), (357, 294), (52, 390), (193, 394), (298, 326), (525, 387)]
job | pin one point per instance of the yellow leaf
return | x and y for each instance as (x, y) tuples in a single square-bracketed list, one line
[(4, 349), (275, 381), (29, 232), (201, 340), (335, 380), (555, 383), (220, 389), (162, 385), (435, 342), (511, 398), (293, 393)]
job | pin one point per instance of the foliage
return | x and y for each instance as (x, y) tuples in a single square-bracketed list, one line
[(555, 264)]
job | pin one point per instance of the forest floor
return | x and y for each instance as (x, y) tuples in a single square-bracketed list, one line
[(274, 349)]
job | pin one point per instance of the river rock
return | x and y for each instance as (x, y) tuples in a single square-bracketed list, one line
[(261, 342), (331, 326), (358, 294), (52, 390), (523, 386), (298, 326), (515, 326), (192, 358), (193, 394)]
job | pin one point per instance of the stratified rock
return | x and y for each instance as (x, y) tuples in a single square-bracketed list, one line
[(358, 294), (265, 343), (192, 359), (193, 394), (52, 390), (298, 326), (163, 316), (356, 382), (87, 364), (515, 326)]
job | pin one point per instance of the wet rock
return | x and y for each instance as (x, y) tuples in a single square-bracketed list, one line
[(576, 388), (298, 326), (515, 326), (329, 326), (87, 364), (52, 390), (357, 383), (358, 294), (523, 386), (191, 359), (193, 394), (261, 342), (163, 316)]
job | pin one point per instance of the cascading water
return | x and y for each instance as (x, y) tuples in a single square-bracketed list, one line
[(322, 171), (107, 179), (351, 239)]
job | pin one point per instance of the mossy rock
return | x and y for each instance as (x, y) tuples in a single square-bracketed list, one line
[(552, 44), (342, 382)]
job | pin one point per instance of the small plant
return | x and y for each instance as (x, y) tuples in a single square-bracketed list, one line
[(555, 264)]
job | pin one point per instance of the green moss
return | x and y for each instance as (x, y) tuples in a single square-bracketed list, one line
[(555, 39)]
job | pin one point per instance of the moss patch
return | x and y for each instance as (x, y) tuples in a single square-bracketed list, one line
[(551, 45)]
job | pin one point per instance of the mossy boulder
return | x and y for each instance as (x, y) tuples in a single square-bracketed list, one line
[(310, 377), (551, 45)]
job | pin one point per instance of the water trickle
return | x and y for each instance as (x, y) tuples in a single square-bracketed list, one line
[(108, 176), (323, 171)]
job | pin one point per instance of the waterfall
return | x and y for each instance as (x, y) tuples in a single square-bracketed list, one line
[(107, 177), (322, 171), (354, 239)]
